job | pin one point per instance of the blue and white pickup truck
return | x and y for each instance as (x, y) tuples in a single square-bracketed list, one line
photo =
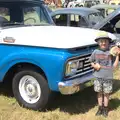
[(39, 58)]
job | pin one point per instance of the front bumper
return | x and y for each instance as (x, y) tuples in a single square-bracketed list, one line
[(75, 85)]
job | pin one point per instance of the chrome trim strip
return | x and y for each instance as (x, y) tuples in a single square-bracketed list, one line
[(81, 74), (86, 68), (74, 85), (79, 56), (79, 70), (88, 57), (79, 60), (87, 64), (87, 61)]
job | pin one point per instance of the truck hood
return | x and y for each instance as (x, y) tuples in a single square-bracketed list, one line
[(49, 36)]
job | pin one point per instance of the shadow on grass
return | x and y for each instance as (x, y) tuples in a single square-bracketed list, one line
[(114, 104), (116, 86), (73, 104), (82, 101), (6, 89), (78, 103)]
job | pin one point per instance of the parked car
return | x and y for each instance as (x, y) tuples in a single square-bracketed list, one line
[(38, 58), (75, 3), (105, 9), (95, 2), (110, 23), (81, 3), (77, 17)]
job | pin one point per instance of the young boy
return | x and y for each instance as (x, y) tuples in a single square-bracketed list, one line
[(102, 62)]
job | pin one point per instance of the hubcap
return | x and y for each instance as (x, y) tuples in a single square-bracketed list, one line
[(29, 89)]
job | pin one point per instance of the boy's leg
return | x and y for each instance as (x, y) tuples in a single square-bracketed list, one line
[(106, 99), (106, 102), (98, 89), (100, 98), (107, 88)]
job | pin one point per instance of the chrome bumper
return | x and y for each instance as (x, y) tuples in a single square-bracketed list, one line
[(75, 85)]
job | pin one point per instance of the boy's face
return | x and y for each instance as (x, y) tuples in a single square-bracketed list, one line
[(103, 43)]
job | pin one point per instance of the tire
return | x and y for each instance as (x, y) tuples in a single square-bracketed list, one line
[(77, 5), (80, 5), (71, 6), (31, 90)]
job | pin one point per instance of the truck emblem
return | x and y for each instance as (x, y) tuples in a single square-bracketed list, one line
[(9, 39)]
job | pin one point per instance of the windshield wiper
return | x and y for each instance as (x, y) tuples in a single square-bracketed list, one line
[(21, 23), (11, 24)]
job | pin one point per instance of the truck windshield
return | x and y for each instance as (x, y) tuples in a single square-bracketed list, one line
[(23, 15)]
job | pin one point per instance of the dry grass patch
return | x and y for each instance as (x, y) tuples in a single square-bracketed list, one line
[(80, 106)]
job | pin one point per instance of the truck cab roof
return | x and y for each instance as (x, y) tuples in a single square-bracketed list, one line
[(23, 12), (19, 2)]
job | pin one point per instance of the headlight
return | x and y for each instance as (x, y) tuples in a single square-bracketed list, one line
[(71, 67)]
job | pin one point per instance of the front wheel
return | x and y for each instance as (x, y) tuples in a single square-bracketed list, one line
[(31, 89)]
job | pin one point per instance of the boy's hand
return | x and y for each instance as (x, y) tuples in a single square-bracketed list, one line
[(97, 66)]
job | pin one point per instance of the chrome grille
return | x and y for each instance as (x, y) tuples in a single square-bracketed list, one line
[(86, 64), (86, 68)]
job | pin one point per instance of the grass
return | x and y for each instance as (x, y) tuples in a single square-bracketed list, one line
[(80, 106)]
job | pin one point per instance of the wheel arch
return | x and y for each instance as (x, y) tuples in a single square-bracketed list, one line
[(18, 67), (36, 97)]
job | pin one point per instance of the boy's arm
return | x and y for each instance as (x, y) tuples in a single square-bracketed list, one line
[(96, 66), (115, 65)]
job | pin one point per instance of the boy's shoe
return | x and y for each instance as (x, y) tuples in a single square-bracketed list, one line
[(105, 111), (99, 112)]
